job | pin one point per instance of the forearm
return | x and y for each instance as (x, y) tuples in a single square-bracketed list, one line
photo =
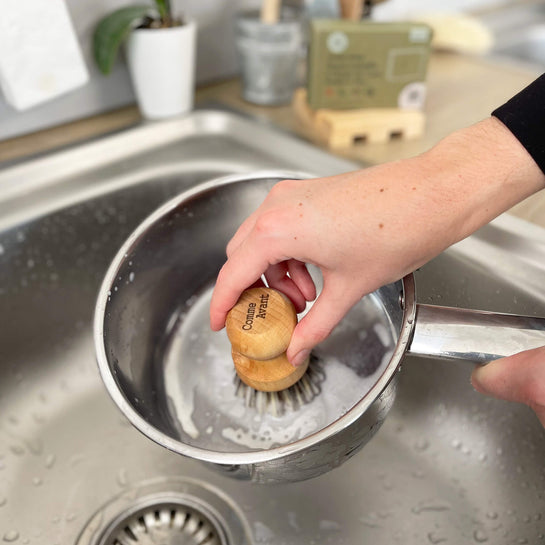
[(476, 174)]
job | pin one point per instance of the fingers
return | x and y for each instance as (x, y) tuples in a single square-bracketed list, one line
[(292, 278), (301, 277), (241, 270), (277, 278), (241, 233), (519, 378), (328, 310)]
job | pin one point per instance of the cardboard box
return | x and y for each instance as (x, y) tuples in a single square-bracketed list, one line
[(355, 65)]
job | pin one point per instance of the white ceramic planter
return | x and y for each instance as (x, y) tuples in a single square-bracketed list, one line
[(162, 67)]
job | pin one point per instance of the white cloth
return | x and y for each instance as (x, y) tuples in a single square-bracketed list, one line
[(40, 57)]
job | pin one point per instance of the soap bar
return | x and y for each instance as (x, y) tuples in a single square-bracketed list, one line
[(353, 64)]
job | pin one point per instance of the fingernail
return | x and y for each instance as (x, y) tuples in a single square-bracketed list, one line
[(477, 380), (300, 357)]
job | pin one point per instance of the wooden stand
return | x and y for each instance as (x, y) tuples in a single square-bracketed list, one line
[(339, 129), (260, 327)]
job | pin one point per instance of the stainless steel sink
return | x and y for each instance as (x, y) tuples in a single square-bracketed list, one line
[(448, 466)]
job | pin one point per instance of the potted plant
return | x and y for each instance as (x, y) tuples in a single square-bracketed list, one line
[(160, 54)]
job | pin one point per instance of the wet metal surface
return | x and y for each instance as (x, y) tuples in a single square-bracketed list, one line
[(448, 465)]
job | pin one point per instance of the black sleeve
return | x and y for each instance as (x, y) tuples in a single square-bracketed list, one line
[(524, 116)]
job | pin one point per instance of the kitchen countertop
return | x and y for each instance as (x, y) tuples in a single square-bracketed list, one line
[(461, 90)]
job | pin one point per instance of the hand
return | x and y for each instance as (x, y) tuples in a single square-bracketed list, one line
[(367, 228), (519, 378), (324, 222)]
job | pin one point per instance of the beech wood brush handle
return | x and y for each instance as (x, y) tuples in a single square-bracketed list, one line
[(260, 327)]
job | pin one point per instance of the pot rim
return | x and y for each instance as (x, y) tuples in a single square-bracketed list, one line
[(408, 302)]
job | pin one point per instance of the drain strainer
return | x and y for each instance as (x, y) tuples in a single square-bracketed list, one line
[(176, 511), (165, 524)]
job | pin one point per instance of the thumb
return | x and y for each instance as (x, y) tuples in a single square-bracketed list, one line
[(519, 378), (327, 311)]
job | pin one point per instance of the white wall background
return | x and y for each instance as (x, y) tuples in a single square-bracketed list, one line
[(398, 9), (216, 56)]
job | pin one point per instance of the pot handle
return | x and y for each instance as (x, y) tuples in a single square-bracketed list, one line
[(473, 335)]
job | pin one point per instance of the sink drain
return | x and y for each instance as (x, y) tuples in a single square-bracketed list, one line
[(165, 524), (173, 512)]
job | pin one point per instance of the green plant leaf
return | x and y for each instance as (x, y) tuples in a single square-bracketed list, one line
[(164, 9), (111, 31)]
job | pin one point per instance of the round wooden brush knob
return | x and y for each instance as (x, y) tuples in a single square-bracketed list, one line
[(261, 324), (260, 327), (270, 375)]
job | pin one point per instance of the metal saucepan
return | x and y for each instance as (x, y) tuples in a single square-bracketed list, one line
[(173, 378)]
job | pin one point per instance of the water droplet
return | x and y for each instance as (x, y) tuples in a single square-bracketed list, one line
[(122, 478), (430, 506), (70, 517), (131, 276), (17, 450), (11, 536), (3, 501), (456, 443), (35, 446), (422, 444), (479, 536), (435, 538), (262, 533), (329, 525), (492, 515), (50, 461), (37, 481)]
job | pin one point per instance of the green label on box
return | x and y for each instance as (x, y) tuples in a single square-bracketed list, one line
[(367, 65)]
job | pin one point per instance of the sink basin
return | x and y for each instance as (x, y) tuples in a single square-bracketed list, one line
[(448, 466)]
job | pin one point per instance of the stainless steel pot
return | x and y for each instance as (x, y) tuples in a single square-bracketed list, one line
[(174, 380)]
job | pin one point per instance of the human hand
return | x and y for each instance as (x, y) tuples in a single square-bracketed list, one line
[(323, 222), (371, 227), (519, 378)]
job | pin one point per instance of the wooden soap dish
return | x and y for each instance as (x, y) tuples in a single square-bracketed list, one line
[(339, 129)]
